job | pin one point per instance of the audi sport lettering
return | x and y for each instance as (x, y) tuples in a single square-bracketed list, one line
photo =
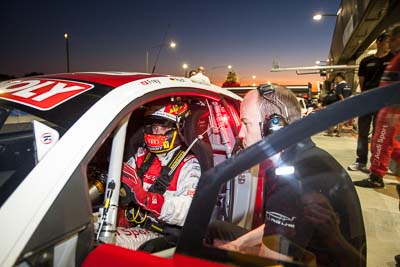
[(42, 94), (380, 141)]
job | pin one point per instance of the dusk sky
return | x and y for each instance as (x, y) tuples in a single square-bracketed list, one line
[(114, 36)]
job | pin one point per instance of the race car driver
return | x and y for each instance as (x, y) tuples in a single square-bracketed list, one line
[(162, 177), (385, 143)]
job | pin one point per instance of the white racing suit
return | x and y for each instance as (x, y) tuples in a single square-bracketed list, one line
[(177, 198)]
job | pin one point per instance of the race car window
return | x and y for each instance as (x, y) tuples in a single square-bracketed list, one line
[(214, 121), (17, 148)]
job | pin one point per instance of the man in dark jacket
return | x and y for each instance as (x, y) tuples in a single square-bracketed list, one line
[(311, 209)]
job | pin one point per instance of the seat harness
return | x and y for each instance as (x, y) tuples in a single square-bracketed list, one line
[(167, 172)]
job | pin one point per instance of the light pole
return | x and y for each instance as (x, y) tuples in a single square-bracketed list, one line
[(67, 49), (319, 16), (171, 44), (324, 62), (185, 66)]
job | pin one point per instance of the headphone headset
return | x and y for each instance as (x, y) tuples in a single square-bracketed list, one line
[(275, 121)]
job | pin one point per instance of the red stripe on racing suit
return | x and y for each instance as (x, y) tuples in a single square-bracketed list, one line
[(385, 144)]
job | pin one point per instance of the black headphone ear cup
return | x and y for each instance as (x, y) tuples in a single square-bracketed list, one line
[(272, 123)]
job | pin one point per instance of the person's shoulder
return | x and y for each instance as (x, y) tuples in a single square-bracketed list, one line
[(196, 78), (340, 86), (296, 153), (390, 56), (317, 157), (368, 59), (199, 77), (190, 158)]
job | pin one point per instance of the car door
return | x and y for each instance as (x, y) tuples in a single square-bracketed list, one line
[(194, 242)]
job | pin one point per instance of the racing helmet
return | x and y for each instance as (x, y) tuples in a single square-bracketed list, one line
[(170, 116)]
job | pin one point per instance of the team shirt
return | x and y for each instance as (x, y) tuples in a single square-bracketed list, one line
[(371, 68)]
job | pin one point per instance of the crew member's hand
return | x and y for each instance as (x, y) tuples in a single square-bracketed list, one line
[(233, 246), (132, 184)]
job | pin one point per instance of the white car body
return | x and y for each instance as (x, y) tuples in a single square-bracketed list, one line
[(26, 207)]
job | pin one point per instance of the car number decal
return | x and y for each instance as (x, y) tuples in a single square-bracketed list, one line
[(42, 94)]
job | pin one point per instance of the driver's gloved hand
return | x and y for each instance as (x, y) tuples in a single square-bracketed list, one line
[(132, 190)]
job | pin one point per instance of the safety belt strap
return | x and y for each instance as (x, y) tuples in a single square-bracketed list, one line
[(167, 172), (144, 167)]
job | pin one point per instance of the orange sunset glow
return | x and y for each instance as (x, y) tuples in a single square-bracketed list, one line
[(285, 78)]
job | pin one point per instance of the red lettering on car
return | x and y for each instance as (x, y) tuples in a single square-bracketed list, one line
[(43, 94)]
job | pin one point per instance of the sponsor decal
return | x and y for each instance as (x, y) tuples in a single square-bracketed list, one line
[(42, 94), (177, 79), (148, 178), (206, 84), (154, 200), (130, 232), (46, 138), (148, 82), (379, 143), (280, 219), (154, 141), (166, 144)]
